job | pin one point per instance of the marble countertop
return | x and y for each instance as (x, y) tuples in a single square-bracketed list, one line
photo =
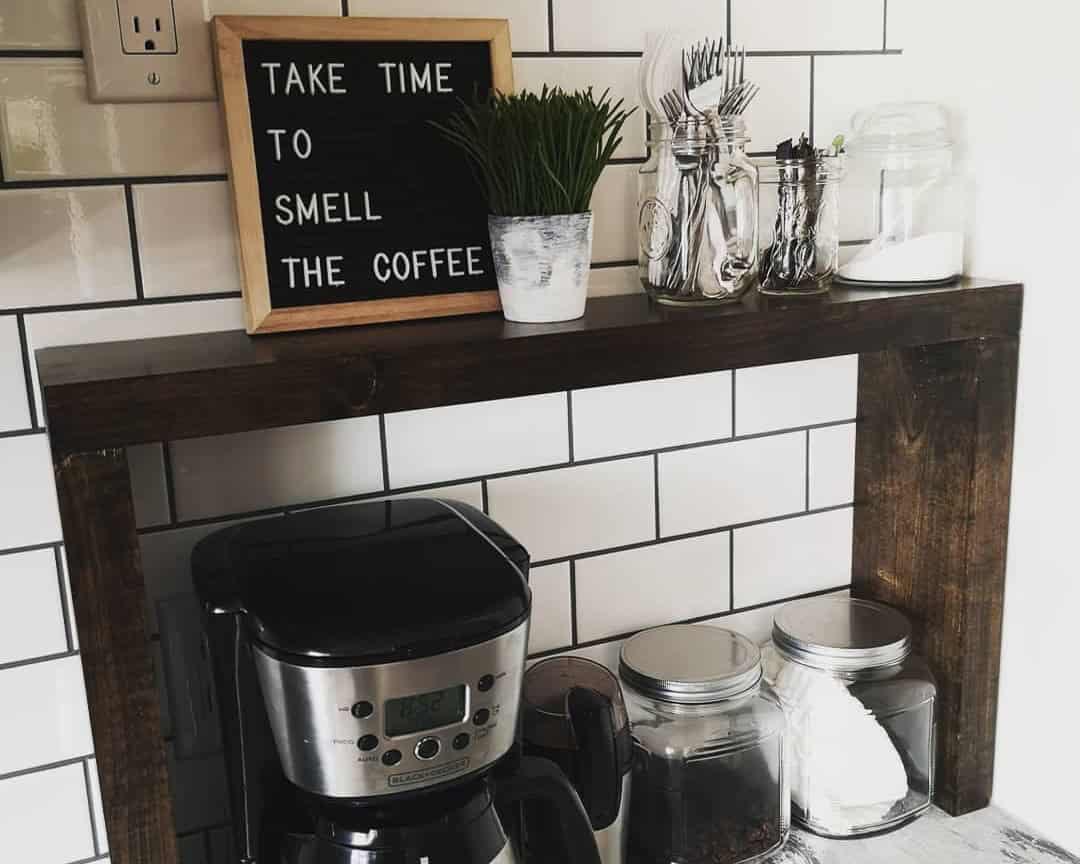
[(989, 836)]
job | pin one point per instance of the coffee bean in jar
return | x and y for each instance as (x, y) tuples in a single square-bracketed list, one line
[(709, 783)]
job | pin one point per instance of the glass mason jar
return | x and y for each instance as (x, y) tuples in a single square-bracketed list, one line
[(697, 212), (860, 710), (709, 773), (800, 200)]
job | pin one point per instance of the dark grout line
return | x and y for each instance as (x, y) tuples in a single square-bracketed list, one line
[(39, 53), (21, 433), (90, 807), (33, 547), (484, 504), (135, 180), (855, 242), (35, 661), (384, 453), (728, 22), (862, 52), (584, 55), (551, 25), (690, 535), (51, 766), (885, 25), (136, 258), (807, 475), (811, 124), (170, 482), (122, 304), (734, 428), (607, 265), (28, 372), (61, 581), (570, 423), (712, 616), (656, 492), (573, 604), (731, 571), (104, 856), (628, 160)]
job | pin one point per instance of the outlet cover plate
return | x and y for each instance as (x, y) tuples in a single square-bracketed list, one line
[(185, 74)]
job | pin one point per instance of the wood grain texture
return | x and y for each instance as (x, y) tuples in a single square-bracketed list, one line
[(109, 601), (122, 393), (933, 470)]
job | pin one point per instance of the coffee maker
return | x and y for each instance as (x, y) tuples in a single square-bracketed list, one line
[(368, 661)]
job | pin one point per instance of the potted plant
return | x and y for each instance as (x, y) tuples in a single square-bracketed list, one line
[(537, 158)]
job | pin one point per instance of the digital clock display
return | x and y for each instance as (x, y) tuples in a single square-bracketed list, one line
[(411, 714)]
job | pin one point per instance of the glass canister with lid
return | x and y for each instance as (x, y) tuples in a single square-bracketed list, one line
[(860, 710), (709, 773)]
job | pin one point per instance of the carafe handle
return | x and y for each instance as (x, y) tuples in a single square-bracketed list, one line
[(599, 773)]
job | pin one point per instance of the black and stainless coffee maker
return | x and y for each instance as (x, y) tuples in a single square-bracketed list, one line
[(368, 661)]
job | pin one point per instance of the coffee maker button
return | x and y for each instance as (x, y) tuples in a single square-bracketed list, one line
[(391, 757), (368, 742), (461, 740), (486, 683), (428, 748), (481, 717), (362, 709)]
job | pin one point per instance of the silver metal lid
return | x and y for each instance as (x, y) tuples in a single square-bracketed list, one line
[(841, 634), (690, 664)]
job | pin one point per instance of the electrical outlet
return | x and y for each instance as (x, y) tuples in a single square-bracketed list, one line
[(147, 51)]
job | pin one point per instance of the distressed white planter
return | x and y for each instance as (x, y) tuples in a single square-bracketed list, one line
[(542, 264)]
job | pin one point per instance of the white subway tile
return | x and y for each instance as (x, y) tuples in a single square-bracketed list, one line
[(274, 7), (28, 510), (31, 620), (469, 493), (14, 412), (45, 818), (617, 74), (571, 510), (726, 484), (756, 624), (600, 25), (786, 395), (200, 791), (187, 239), (225, 474), (49, 329), (782, 109), (550, 625), (647, 415), (614, 206), (64, 246), (96, 807), (652, 585), (48, 129), (606, 654), (832, 466), (613, 281), (436, 444), (808, 25), (45, 714), (146, 464), (45, 25), (528, 18), (791, 557)]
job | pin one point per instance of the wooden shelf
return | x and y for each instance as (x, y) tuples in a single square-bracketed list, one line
[(119, 393)]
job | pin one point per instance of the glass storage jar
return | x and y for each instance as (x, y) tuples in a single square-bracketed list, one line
[(709, 775), (860, 710), (697, 212), (800, 200), (902, 196)]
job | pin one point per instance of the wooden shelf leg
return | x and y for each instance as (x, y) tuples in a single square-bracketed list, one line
[(109, 600), (933, 469)]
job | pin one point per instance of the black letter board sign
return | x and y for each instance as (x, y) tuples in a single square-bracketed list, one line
[(351, 207)]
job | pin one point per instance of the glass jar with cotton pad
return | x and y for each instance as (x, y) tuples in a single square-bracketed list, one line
[(860, 709)]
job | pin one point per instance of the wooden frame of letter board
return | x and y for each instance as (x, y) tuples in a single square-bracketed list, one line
[(229, 35)]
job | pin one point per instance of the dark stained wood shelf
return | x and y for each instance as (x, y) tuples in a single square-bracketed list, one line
[(119, 393), (936, 396)]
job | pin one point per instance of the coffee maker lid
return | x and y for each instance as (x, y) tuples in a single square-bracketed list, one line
[(367, 583)]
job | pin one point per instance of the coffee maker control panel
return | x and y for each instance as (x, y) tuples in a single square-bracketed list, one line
[(365, 731)]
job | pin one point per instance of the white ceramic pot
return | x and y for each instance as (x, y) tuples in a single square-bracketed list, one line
[(542, 264)]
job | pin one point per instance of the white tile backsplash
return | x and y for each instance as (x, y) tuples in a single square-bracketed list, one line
[(808, 25), (45, 714), (614, 202), (792, 557), (186, 242), (38, 25), (29, 514), (45, 818), (97, 809), (14, 412), (572, 510), (787, 395), (652, 585), (782, 109), (528, 18), (843, 85), (225, 474), (62, 246), (617, 74), (726, 484), (146, 464), (595, 25), (832, 466), (459, 441), (550, 626), (34, 625), (49, 131), (649, 415)]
